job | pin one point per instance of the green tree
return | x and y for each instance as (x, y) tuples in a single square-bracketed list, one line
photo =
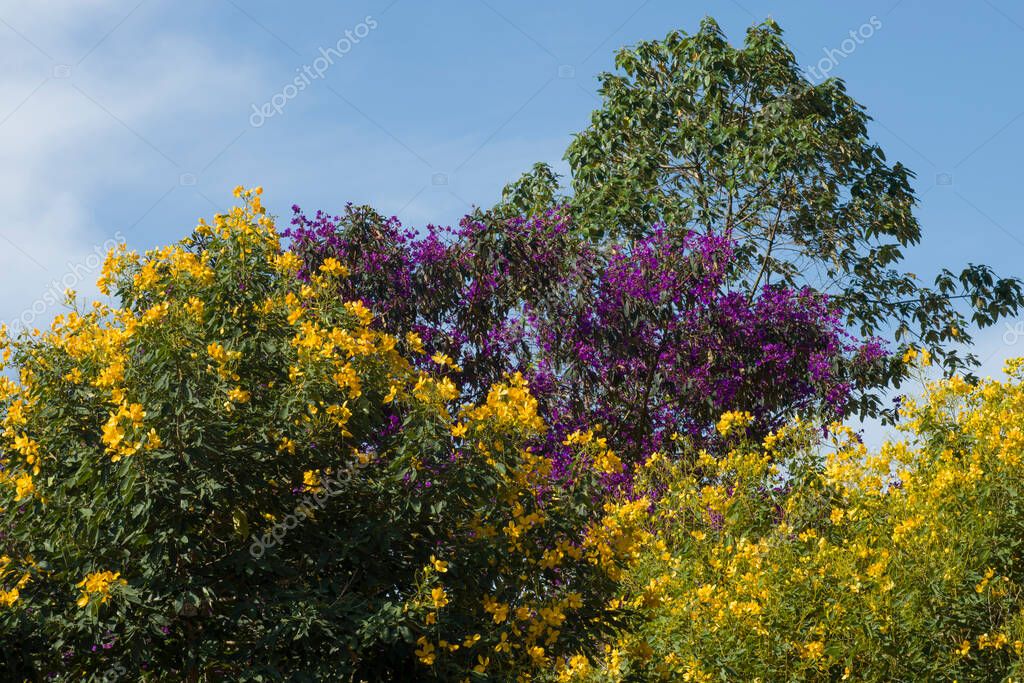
[(700, 135)]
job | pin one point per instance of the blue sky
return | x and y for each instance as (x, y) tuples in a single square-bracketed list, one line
[(136, 118)]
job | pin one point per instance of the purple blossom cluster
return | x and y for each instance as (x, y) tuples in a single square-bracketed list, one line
[(644, 337)]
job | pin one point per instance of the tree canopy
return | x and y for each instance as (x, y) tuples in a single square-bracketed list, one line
[(697, 135)]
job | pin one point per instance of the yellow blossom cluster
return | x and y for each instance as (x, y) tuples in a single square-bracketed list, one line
[(231, 386), (733, 420), (922, 356), (524, 628), (615, 541), (509, 404), (98, 585), (604, 460), (85, 396), (129, 417), (792, 559), (9, 596)]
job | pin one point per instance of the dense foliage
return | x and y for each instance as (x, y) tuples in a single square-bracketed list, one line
[(591, 438), (905, 564), (235, 477), (243, 473), (645, 337), (700, 135)]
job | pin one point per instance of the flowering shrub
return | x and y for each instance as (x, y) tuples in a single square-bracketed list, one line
[(152, 450), (776, 563), (380, 457), (645, 337), (574, 438)]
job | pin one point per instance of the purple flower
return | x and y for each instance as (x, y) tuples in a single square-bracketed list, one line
[(644, 337)]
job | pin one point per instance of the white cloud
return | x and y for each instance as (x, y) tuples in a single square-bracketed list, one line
[(74, 138)]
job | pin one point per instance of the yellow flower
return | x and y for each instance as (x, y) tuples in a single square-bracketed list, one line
[(27, 447), (813, 650), (153, 440), (444, 360), (608, 463), (503, 644), (439, 597), (332, 266), (732, 420), (136, 414), (311, 479), (439, 565), (239, 395), (23, 486), (287, 262), (98, 584), (497, 610), (980, 588), (414, 342), (221, 355), (113, 433), (194, 307), (359, 310), (425, 652), (8, 598)]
